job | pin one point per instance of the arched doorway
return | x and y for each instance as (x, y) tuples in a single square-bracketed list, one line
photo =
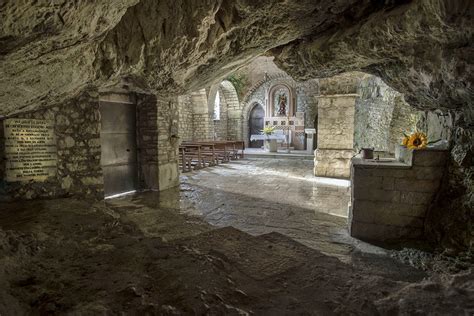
[(256, 119)]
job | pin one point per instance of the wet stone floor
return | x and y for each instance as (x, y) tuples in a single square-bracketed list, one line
[(251, 237)]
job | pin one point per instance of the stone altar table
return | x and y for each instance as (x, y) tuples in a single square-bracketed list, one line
[(390, 198)]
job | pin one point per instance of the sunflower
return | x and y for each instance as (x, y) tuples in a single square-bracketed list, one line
[(417, 140), (405, 140), (268, 130)]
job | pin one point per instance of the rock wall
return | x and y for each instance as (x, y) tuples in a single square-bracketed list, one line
[(77, 131), (374, 109), (382, 117), (449, 221), (404, 120)]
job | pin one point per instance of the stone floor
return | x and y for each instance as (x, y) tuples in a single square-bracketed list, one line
[(261, 196), (175, 253)]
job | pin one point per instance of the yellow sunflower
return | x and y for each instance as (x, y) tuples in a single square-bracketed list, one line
[(417, 140), (405, 140)]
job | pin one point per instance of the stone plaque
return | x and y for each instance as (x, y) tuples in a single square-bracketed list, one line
[(30, 150)]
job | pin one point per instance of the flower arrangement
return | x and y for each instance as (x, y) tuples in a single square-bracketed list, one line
[(417, 140), (268, 130)]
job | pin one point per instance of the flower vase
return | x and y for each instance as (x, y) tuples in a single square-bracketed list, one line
[(403, 154), (271, 145)]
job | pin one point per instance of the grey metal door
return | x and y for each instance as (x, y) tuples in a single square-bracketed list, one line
[(256, 125), (119, 147)]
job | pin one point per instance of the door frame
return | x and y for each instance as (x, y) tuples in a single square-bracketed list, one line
[(252, 108), (129, 100)]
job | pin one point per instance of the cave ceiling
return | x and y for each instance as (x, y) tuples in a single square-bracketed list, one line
[(51, 50)]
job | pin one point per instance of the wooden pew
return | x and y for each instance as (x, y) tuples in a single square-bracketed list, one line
[(240, 146), (220, 150), (192, 153), (196, 155)]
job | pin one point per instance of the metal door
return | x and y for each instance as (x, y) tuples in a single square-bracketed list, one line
[(119, 147), (256, 125)]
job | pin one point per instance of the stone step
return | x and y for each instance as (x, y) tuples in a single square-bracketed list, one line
[(280, 155)]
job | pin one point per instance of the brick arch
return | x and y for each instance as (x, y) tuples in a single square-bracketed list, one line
[(230, 124)]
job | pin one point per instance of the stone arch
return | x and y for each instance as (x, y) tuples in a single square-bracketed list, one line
[(245, 118), (230, 121)]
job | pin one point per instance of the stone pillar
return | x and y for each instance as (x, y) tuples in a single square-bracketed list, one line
[(336, 111), (168, 142), (335, 135)]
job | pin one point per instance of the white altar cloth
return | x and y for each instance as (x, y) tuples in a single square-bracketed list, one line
[(277, 137)]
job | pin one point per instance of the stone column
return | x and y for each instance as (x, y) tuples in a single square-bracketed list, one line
[(336, 109)]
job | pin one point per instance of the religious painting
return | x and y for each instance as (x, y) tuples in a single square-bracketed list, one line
[(281, 104)]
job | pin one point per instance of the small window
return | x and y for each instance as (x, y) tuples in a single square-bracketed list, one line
[(217, 107)]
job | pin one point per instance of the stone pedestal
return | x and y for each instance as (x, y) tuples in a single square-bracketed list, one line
[(390, 198), (271, 145)]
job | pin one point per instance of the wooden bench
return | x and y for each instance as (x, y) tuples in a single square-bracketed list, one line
[(196, 155), (191, 156)]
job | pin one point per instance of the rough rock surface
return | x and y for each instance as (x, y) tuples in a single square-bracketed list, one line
[(423, 49), (48, 48), (141, 256), (166, 46)]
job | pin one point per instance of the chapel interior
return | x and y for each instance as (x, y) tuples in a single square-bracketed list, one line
[(236, 157)]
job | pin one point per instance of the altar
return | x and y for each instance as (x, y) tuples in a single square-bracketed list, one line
[(281, 114), (270, 141)]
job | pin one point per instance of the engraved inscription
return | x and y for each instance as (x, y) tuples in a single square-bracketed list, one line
[(30, 150)]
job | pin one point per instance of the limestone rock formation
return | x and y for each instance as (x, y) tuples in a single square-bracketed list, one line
[(423, 49), (47, 48), (167, 46)]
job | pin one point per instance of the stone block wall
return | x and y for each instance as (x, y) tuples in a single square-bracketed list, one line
[(186, 123), (147, 141), (335, 135), (77, 132), (168, 141), (203, 127), (234, 114), (307, 101), (332, 163), (219, 127), (390, 200), (196, 116)]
